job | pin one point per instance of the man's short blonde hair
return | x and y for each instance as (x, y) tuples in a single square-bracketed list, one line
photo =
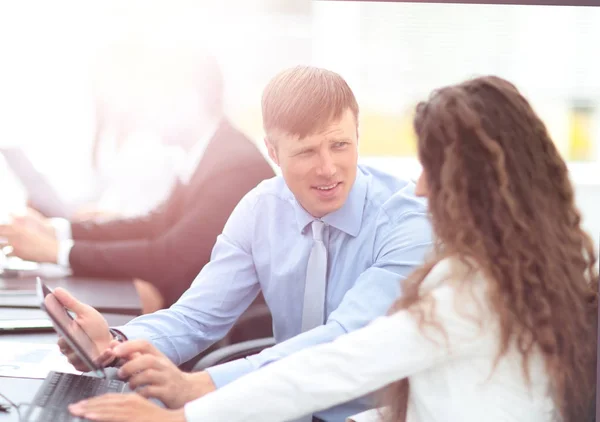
[(302, 100)]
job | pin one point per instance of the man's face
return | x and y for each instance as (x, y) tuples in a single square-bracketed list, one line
[(319, 169)]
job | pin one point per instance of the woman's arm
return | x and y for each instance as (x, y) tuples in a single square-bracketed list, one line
[(389, 349)]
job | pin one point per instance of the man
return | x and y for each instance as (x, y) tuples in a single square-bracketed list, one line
[(328, 243), (168, 247)]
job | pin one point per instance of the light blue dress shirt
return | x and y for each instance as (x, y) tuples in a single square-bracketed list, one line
[(374, 241)]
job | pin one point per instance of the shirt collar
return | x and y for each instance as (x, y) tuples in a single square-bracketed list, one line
[(192, 158), (348, 218)]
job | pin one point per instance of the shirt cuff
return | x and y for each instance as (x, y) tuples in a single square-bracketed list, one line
[(64, 250), (371, 415), (227, 372), (123, 329), (133, 332), (62, 229), (120, 337)]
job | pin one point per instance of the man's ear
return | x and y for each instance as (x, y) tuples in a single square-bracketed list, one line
[(271, 150)]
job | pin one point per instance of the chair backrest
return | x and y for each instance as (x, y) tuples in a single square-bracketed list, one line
[(255, 323), (233, 352)]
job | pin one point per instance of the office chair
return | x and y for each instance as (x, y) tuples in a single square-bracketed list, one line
[(233, 352), (254, 324)]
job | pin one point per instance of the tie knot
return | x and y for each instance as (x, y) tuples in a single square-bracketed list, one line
[(317, 228)]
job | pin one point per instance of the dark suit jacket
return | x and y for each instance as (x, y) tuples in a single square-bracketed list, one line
[(170, 246)]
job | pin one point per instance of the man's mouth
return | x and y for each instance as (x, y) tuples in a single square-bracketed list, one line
[(327, 187)]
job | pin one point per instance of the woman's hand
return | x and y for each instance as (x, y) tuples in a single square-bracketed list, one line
[(124, 408)]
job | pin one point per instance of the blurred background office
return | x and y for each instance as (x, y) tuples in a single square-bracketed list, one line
[(79, 80), (394, 54)]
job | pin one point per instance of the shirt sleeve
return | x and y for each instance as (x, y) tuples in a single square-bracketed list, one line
[(64, 250), (62, 229), (399, 248), (222, 291), (389, 349), (371, 415)]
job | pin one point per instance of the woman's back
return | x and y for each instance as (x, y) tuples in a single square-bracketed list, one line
[(466, 386), (450, 371)]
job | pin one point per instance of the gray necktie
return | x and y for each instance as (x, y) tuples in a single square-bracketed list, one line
[(313, 312)]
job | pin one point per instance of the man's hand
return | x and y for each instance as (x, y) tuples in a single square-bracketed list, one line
[(36, 220), (31, 237), (90, 321), (87, 213), (152, 374), (124, 408)]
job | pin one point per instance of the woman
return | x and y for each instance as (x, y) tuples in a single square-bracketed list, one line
[(498, 325)]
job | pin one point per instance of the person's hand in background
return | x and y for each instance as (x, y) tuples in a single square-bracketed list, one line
[(92, 213), (32, 218), (30, 239)]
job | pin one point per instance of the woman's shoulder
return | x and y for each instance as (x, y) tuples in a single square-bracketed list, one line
[(459, 290), (453, 271)]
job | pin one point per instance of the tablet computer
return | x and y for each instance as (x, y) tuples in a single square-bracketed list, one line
[(66, 326)]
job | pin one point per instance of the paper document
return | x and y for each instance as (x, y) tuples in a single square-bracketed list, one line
[(31, 360)]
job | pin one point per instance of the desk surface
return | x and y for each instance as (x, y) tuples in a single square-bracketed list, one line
[(45, 336), (18, 390), (22, 390), (111, 296)]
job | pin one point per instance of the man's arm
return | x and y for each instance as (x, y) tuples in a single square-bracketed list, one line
[(222, 291), (401, 247), (173, 258), (146, 226), (142, 227), (37, 238)]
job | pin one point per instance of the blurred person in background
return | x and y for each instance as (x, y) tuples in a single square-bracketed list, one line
[(123, 185), (136, 88), (165, 249), (499, 324)]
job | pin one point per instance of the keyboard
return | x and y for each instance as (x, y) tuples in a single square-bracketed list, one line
[(61, 389)]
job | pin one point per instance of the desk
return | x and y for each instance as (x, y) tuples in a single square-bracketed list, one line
[(49, 337), (23, 390), (110, 296), (18, 390)]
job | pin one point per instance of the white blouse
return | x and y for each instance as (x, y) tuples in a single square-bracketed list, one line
[(451, 379)]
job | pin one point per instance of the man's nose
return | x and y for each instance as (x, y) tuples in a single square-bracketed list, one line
[(326, 166)]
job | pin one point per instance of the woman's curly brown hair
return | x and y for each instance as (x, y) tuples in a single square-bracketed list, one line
[(500, 195)]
